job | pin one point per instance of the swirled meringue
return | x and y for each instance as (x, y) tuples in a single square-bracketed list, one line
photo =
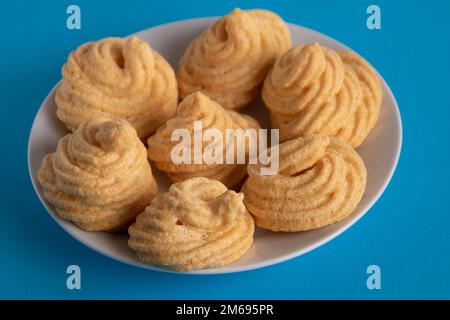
[(364, 119), (197, 224), (99, 177), (229, 61), (313, 89), (198, 107), (321, 180), (117, 78)]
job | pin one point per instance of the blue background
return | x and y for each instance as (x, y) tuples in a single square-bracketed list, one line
[(406, 233)]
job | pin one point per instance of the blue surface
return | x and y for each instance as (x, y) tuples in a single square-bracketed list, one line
[(407, 233)]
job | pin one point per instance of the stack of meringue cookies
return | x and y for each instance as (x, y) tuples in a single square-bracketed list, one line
[(117, 93)]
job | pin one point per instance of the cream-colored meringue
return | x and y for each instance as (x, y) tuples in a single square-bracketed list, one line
[(321, 180), (198, 107), (197, 224), (229, 61), (118, 78), (99, 177)]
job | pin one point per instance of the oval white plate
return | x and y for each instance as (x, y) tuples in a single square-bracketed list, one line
[(380, 153)]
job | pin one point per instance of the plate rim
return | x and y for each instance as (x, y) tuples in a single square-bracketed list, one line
[(253, 266)]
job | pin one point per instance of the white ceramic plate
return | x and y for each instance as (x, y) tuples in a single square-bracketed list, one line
[(380, 153)]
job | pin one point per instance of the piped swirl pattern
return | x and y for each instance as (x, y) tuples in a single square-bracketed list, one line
[(321, 180), (229, 61), (99, 177), (198, 107), (197, 224), (313, 89), (117, 78)]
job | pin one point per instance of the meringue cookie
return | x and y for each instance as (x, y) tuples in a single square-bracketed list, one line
[(312, 89), (198, 107), (99, 177), (117, 78), (364, 119), (321, 180), (229, 61), (197, 224)]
